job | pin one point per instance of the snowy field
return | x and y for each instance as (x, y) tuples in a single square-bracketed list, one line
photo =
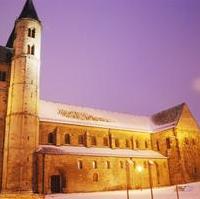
[(188, 191)]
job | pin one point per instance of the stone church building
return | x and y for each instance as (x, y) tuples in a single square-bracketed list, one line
[(48, 147)]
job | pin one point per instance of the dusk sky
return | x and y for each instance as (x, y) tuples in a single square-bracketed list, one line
[(134, 56)]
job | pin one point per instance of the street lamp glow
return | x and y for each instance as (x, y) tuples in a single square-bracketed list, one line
[(139, 168)]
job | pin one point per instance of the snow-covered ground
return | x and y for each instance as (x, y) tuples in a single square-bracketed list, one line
[(188, 191)]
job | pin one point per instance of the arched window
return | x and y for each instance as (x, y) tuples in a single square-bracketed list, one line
[(67, 139), (146, 144), (81, 139), (33, 50), (121, 164), (157, 145), (29, 32), (94, 164), (28, 49), (51, 138), (157, 172), (80, 164), (105, 141), (193, 141), (137, 144), (168, 143), (95, 177), (93, 140), (116, 142), (108, 164), (145, 164), (33, 33), (186, 141), (2, 76), (127, 144)]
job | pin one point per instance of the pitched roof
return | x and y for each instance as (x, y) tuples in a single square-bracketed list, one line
[(29, 11), (102, 152), (169, 115), (62, 113), (5, 55), (10, 41)]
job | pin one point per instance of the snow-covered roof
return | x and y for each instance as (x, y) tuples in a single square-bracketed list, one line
[(103, 152), (62, 113)]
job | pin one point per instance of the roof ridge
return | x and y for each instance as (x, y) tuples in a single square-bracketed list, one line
[(96, 109)]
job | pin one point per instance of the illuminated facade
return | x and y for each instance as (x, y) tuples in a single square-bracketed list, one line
[(48, 147)]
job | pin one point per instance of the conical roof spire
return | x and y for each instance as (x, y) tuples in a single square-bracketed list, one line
[(29, 11)]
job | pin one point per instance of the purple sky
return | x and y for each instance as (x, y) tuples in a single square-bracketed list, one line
[(136, 56)]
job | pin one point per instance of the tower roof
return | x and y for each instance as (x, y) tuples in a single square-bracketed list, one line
[(29, 11)]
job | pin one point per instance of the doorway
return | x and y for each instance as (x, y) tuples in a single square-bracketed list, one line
[(56, 184)]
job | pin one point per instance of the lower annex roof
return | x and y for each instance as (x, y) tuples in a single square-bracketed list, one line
[(102, 152)]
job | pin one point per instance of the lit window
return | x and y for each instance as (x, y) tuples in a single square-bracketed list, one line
[(94, 164), (80, 164), (67, 139), (2, 76)]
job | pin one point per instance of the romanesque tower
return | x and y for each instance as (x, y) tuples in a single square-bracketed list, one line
[(22, 122)]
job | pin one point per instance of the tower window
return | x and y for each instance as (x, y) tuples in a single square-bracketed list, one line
[(80, 139), (2, 76), (28, 49), (31, 32), (32, 50), (93, 140), (67, 139)]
